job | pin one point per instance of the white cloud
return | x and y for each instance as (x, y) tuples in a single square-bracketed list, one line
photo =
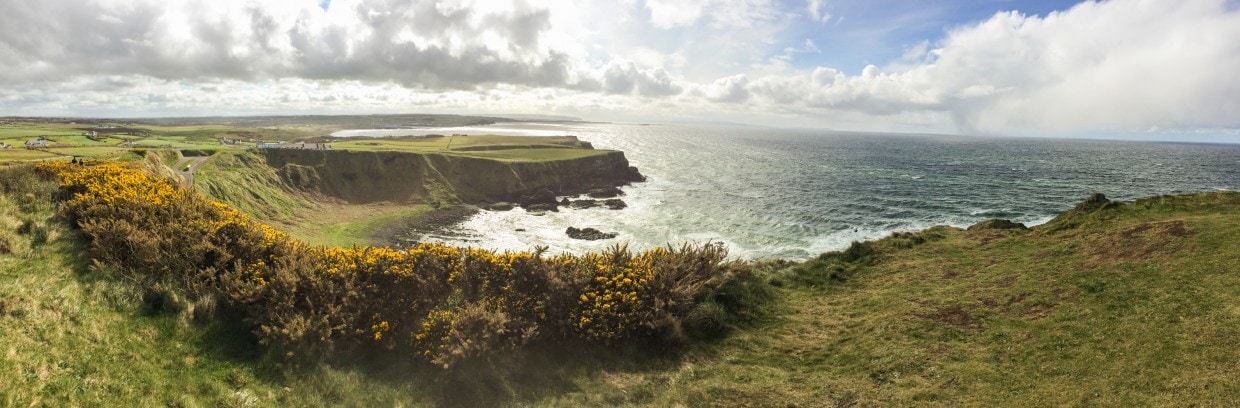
[(817, 11), (1122, 65), (625, 77), (733, 89), (1115, 65), (666, 14)]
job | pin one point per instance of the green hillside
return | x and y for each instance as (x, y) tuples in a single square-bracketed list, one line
[(1124, 305)]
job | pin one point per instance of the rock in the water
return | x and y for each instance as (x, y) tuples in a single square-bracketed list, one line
[(606, 192), (552, 206), (1094, 202), (586, 203), (501, 206), (615, 204), (589, 234), (565, 201), (996, 223)]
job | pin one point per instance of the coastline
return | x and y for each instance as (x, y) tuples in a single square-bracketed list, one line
[(396, 233)]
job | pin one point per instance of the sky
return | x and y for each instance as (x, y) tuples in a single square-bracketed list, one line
[(1160, 69)]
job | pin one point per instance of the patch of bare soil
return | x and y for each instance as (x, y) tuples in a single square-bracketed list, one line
[(1136, 243), (955, 316)]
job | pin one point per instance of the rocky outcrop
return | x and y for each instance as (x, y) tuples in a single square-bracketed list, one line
[(583, 204), (1094, 202), (996, 224), (615, 204), (589, 234), (606, 192), (501, 206)]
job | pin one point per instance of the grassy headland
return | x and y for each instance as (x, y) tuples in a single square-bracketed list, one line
[(1110, 304), (114, 138), (238, 174)]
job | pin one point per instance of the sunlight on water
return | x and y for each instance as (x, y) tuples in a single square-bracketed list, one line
[(794, 194)]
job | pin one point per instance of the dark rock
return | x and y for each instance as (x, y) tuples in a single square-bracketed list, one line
[(501, 206), (634, 176), (542, 196), (587, 203), (1094, 202), (552, 206), (520, 230), (606, 192), (615, 204), (998, 224), (589, 234), (565, 201)]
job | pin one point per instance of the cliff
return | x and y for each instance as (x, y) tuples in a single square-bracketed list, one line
[(406, 177)]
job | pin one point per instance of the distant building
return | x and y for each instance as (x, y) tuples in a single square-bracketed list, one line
[(5, 146), (36, 143)]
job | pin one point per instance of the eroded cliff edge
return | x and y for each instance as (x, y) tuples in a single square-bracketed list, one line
[(405, 177)]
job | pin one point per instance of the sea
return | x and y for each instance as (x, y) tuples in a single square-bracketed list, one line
[(793, 194)]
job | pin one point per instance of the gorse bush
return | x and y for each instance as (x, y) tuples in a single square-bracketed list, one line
[(438, 304)]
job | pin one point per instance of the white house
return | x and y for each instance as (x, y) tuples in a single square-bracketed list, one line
[(35, 143)]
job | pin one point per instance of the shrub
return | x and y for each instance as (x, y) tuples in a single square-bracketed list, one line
[(439, 304)]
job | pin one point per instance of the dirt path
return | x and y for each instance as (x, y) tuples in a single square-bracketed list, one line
[(186, 167)]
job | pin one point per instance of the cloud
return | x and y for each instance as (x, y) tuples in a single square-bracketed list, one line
[(1114, 65), (418, 44), (625, 77), (817, 11), (1110, 66), (733, 89), (667, 14)]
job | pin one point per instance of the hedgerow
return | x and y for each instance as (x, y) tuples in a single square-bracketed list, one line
[(431, 302)]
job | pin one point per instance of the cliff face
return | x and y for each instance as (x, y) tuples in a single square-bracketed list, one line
[(365, 177)]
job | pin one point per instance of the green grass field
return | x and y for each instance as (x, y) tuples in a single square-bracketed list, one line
[(497, 147), (67, 139), (18, 154)]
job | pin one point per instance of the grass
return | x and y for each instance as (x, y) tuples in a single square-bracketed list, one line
[(73, 335), (236, 179), (204, 134), (535, 155), (345, 225), (21, 154), (1132, 305)]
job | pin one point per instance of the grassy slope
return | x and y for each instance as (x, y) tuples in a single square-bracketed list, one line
[(1137, 306), (71, 335), (1133, 305), (254, 188)]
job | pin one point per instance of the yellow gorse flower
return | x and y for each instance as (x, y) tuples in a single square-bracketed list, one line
[(607, 297)]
